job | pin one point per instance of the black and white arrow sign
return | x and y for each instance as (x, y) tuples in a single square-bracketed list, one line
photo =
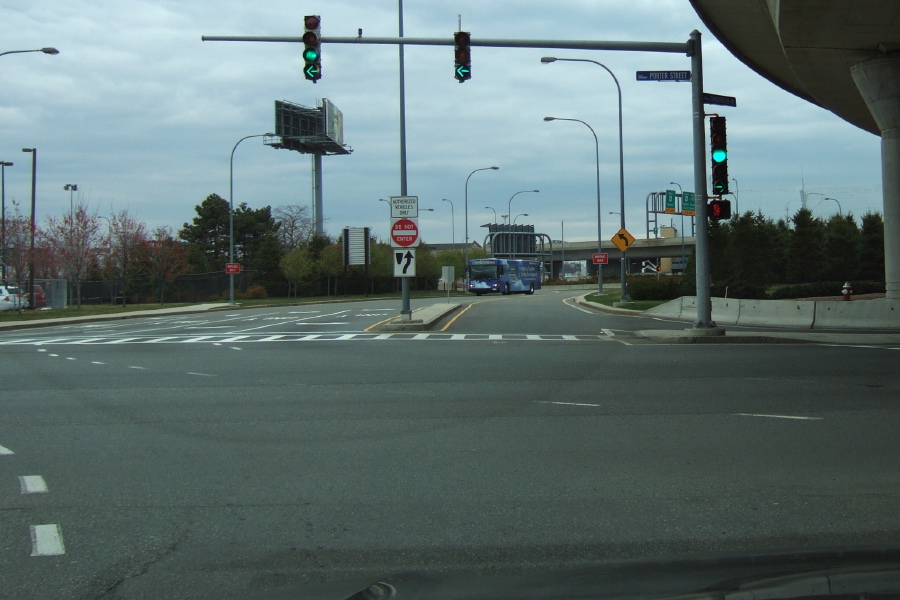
[(404, 262)]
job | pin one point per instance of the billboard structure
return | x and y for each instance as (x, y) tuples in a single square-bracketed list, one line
[(318, 131)]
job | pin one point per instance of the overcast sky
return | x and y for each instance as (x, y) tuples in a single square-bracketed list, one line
[(141, 114)]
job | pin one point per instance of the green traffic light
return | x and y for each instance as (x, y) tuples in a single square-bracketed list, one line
[(310, 55), (719, 155)]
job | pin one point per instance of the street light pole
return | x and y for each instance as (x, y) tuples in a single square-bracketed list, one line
[(44, 50), (599, 211), (33, 152), (562, 262), (681, 191), (510, 235), (495, 213), (3, 165), (550, 59), (231, 211), (452, 223), (466, 218)]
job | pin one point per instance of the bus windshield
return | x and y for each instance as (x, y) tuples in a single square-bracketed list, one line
[(483, 272)]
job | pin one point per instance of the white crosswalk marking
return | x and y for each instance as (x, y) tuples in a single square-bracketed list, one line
[(95, 340)]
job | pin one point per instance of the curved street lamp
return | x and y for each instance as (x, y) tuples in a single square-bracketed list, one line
[(231, 211), (44, 50), (452, 223), (550, 59), (3, 165), (33, 152), (519, 215), (495, 212), (599, 211), (509, 204), (466, 218)]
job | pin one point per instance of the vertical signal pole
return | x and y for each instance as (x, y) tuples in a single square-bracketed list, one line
[(704, 301), (405, 309)]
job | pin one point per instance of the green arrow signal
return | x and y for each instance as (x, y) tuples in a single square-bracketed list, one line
[(462, 72), (311, 71)]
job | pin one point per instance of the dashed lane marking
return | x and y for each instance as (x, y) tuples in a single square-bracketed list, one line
[(47, 540), (220, 339), (794, 417), (5, 451), (33, 484)]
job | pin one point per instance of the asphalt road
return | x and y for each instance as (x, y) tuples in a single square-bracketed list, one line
[(226, 454)]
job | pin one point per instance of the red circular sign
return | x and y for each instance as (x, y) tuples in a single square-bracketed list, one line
[(404, 232)]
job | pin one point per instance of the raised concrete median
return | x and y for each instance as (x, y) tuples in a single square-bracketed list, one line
[(423, 319)]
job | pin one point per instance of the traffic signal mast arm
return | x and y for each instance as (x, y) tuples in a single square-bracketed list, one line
[(665, 47)]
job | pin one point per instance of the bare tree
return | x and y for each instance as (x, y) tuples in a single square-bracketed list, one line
[(167, 256), (126, 236), (296, 228), (18, 245), (77, 242)]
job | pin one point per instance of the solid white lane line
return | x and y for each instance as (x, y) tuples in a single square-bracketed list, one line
[(46, 540), (5, 451), (33, 484), (779, 417), (495, 336)]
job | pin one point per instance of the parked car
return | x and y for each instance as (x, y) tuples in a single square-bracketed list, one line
[(12, 298), (38, 299)]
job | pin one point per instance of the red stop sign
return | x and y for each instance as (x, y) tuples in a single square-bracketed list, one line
[(404, 232)]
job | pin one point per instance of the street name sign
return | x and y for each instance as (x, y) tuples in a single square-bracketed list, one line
[(623, 239), (663, 75), (405, 262), (600, 258), (404, 207), (719, 100), (404, 233)]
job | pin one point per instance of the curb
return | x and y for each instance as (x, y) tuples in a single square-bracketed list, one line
[(580, 300), (427, 318), (674, 337)]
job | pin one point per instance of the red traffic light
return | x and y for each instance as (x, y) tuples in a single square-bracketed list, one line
[(311, 21)]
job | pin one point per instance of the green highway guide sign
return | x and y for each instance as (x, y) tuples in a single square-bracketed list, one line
[(687, 204), (670, 202)]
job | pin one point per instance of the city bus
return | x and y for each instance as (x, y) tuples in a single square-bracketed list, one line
[(505, 276)]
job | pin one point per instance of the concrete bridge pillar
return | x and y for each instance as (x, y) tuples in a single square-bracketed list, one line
[(878, 81)]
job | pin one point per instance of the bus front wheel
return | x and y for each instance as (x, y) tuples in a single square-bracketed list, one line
[(506, 289), (531, 288)]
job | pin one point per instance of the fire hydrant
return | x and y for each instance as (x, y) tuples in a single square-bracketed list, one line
[(847, 292)]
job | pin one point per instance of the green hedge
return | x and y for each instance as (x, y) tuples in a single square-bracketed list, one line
[(655, 287), (822, 288)]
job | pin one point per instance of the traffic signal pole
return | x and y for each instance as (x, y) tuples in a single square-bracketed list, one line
[(691, 48)]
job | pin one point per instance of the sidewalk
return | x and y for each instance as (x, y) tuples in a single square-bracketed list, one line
[(184, 310), (723, 335)]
